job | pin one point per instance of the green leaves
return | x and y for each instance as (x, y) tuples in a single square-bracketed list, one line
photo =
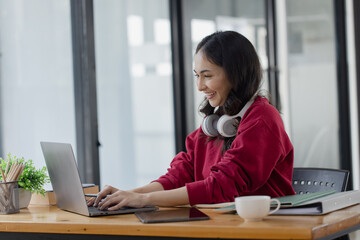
[(31, 179)]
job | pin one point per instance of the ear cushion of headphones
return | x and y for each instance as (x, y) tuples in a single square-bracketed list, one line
[(226, 127), (209, 125)]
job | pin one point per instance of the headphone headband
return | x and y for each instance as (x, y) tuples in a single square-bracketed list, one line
[(245, 108), (212, 125)]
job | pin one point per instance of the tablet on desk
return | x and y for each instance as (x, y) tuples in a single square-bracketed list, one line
[(172, 215)]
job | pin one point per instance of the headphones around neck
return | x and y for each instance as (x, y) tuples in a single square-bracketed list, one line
[(213, 125)]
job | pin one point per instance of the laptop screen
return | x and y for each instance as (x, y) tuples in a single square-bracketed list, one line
[(64, 176)]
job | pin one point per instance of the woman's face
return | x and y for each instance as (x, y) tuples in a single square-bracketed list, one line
[(211, 80)]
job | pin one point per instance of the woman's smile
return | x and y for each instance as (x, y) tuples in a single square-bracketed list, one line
[(209, 95)]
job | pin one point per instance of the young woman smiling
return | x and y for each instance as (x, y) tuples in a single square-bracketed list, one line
[(241, 147)]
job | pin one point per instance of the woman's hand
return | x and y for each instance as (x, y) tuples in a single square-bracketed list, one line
[(108, 190), (121, 199), (153, 195)]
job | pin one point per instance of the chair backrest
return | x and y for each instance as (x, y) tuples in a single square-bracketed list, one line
[(309, 180)]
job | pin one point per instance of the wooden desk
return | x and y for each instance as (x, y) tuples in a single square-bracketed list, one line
[(41, 222)]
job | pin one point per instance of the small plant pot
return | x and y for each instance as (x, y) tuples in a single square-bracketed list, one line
[(24, 198)]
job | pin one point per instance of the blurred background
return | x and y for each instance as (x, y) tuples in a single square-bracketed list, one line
[(115, 79)]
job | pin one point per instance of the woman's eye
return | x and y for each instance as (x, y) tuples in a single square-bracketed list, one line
[(207, 76)]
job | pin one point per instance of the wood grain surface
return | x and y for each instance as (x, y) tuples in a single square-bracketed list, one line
[(50, 219)]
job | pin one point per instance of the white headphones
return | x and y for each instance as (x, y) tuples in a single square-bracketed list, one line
[(212, 125)]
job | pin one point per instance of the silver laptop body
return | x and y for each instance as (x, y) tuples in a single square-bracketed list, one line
[(67, 186)]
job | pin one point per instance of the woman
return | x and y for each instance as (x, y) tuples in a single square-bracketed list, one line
[(253, 156)]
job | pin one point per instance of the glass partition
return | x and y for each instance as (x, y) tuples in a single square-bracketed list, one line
[(312, 82), (134, 87), (36, 77)]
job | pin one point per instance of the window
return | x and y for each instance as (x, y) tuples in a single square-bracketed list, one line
[(36, 77), (134, 87), (312, 83)]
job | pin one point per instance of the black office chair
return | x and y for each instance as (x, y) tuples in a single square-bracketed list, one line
[(309, 180)]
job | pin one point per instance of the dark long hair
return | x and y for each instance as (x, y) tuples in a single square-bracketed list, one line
[(237, 56)]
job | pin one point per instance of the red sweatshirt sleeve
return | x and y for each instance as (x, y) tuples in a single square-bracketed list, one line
[(243, 169)]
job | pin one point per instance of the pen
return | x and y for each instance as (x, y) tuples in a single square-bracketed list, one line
[(3, 175), (7, 168)]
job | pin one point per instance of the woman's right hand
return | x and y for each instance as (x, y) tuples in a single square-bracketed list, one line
[(107, 190)]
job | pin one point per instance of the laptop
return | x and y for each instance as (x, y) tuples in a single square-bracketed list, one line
[(67, 186)]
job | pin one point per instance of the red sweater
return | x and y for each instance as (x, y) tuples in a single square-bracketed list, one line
[(259, 162)]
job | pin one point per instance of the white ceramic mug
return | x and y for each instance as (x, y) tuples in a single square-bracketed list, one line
[(255, 208)]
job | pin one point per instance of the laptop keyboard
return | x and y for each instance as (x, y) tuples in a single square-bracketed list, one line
[(96, 210)]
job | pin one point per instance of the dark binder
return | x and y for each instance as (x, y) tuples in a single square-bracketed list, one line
[(322, 205), (310, 204)]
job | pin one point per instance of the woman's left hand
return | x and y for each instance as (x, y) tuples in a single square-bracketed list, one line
[(121, 199)]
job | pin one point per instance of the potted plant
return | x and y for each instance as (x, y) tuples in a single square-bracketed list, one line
[(31, 180)]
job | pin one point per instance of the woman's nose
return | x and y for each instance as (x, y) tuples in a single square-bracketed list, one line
[(200, 84)]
